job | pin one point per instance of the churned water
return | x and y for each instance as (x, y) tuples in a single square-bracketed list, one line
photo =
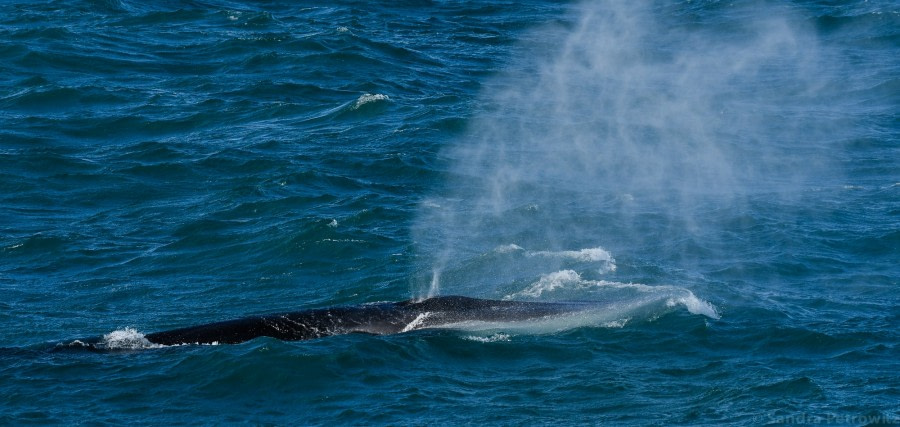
[(723, 176)]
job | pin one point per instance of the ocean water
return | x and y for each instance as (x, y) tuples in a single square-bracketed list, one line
[(725, 176)]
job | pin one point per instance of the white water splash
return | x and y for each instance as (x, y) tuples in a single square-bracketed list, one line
[(597, 254), (126, 339), (695, 305), (547, 283), (584, 255), (568, 285)]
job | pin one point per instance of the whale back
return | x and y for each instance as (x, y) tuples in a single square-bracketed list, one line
[(378, 319)]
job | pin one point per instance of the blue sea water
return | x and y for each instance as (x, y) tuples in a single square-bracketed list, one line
[(725, 174)]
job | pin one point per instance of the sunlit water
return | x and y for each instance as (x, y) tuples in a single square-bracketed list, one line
[(721, 178)]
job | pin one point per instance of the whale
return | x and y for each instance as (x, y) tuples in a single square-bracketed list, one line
[(374, 318)]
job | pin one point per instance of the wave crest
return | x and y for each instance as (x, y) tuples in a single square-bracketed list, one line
[(368, 98)]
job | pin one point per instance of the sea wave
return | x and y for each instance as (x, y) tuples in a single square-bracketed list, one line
[(368, 98)]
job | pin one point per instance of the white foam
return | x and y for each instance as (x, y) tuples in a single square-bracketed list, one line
[(369, 98), (616, 323), (126, 339), (492, 338), (333, 223)]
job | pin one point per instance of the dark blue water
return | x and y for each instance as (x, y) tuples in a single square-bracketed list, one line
[(725, 176)]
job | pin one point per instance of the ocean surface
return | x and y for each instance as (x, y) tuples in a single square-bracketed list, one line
[(725, 176)]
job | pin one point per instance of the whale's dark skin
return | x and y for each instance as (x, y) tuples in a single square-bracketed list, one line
[(377, 318)]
